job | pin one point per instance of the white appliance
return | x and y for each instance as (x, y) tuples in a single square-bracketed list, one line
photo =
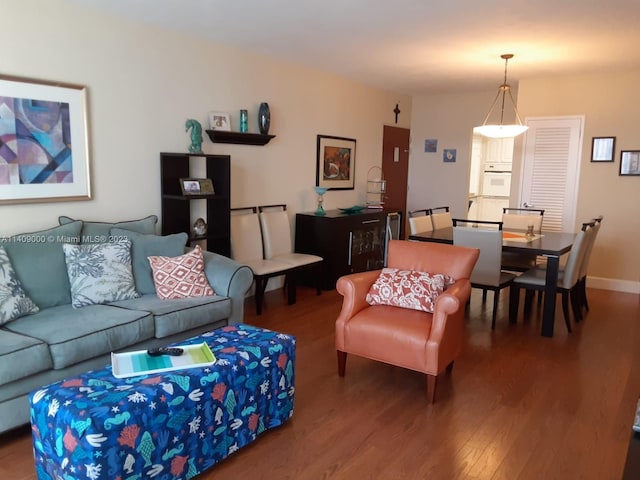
[(496, 180)]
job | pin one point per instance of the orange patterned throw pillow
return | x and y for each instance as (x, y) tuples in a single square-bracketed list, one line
[(408, 289), (180, 277)]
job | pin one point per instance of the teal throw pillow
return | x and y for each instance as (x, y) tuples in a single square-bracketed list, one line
[(144, 246), (39, 264), (100, 273), (14, 302), (98, 232)]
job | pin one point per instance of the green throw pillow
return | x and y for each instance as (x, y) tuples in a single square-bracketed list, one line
[(98, 232), (100, 273), (144, 246), (14, 302), (39, 264)]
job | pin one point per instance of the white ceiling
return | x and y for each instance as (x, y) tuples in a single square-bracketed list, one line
[(412, 46)]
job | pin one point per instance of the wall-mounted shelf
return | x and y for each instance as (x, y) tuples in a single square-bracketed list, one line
[(222, 136)]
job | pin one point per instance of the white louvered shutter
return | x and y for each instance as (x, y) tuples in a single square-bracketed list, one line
[(551, 168)]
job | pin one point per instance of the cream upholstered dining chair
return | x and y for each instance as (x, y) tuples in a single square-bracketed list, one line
[(521, 219), (278, 246), (420, 221), (419, 340), (246, 248), (581, 287), (441, 218), (535, 278), (487, 274)]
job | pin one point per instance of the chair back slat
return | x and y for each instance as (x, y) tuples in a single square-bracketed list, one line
[(584, 267), (523, 219), (576, 255), (419, 224)]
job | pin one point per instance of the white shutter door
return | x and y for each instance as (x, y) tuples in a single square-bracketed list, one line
[(550, 170)]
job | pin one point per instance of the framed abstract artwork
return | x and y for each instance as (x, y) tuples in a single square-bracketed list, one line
[(335, 162), (44, 145)]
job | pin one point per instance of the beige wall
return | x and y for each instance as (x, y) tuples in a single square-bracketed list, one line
[(609, 101), (143, 84), (449, 119)]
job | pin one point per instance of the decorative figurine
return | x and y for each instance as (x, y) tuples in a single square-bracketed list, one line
[(196, 135), (200, 227)]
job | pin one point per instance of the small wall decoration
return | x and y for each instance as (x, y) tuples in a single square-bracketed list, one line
[(602, 149), (196, 186), (220, 121), (630, 162), (431, 145), (44, 154), (449, 155), (335, 162)]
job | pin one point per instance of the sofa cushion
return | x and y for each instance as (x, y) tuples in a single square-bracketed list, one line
[(74, 335), (408, 289), (38, 261), (144, 246), (14, 302), (25, 356), (180, 277), (98, 232), (173, 316), (100, 272)]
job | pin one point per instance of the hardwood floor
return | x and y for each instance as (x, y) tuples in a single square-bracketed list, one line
[(517, 405)]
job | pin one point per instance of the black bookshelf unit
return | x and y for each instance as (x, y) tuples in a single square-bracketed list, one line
[(177, 207)]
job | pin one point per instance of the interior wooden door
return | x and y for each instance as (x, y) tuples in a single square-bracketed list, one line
[(395, 168)]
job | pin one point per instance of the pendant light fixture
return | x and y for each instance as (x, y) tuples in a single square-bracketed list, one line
[(502, 130)]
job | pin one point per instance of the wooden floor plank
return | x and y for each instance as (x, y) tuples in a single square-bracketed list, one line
[(516, 406)]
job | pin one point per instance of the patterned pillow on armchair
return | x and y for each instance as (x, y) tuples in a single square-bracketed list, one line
[(408, 289)]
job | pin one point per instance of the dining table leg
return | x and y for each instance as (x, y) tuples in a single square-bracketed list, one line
[(550, 291)]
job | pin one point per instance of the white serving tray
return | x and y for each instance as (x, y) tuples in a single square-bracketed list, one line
[(131, 364)]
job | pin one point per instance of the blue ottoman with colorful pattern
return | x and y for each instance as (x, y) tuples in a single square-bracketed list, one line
[(165, 426)]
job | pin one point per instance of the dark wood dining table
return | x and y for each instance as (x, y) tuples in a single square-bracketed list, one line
[(551, 245)]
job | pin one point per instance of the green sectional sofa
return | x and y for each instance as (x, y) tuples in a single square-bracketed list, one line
[(61, 340)]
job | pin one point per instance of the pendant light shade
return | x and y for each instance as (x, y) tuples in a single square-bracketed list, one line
[(502, 130)]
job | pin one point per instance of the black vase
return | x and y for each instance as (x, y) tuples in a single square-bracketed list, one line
[(264, 118)]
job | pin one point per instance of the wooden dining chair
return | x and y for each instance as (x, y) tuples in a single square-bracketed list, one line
[(520, 219), (246, 248), (581, 287), (420, 221), (487, 274), (441, 217), (535, 279)]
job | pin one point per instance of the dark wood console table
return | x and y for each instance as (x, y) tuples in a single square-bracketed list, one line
[(349, 243)]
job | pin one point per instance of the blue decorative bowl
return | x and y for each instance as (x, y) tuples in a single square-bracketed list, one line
[(354, 209)]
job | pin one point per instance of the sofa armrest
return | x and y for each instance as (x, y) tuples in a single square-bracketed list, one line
[(229, 278)]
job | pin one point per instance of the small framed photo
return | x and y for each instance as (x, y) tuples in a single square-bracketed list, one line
[(449, 155), (220, 121), (630, 162), (196, 186), (602, 149), (206, 186)]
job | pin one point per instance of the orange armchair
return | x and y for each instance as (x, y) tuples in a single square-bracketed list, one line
[(425, 342)]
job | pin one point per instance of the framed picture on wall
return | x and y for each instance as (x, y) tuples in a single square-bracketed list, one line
[(630, 162), (602, 149), (335, 162), (44, 138)]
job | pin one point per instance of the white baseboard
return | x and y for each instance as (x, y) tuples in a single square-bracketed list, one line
[(627, 286)]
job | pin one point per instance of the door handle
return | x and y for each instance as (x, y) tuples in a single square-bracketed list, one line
[(528, 205)]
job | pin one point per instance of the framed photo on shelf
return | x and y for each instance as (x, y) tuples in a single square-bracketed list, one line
[(220, 121), (335, 162), (196, 186), (44, 137), (602, 149), (630, 162)]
